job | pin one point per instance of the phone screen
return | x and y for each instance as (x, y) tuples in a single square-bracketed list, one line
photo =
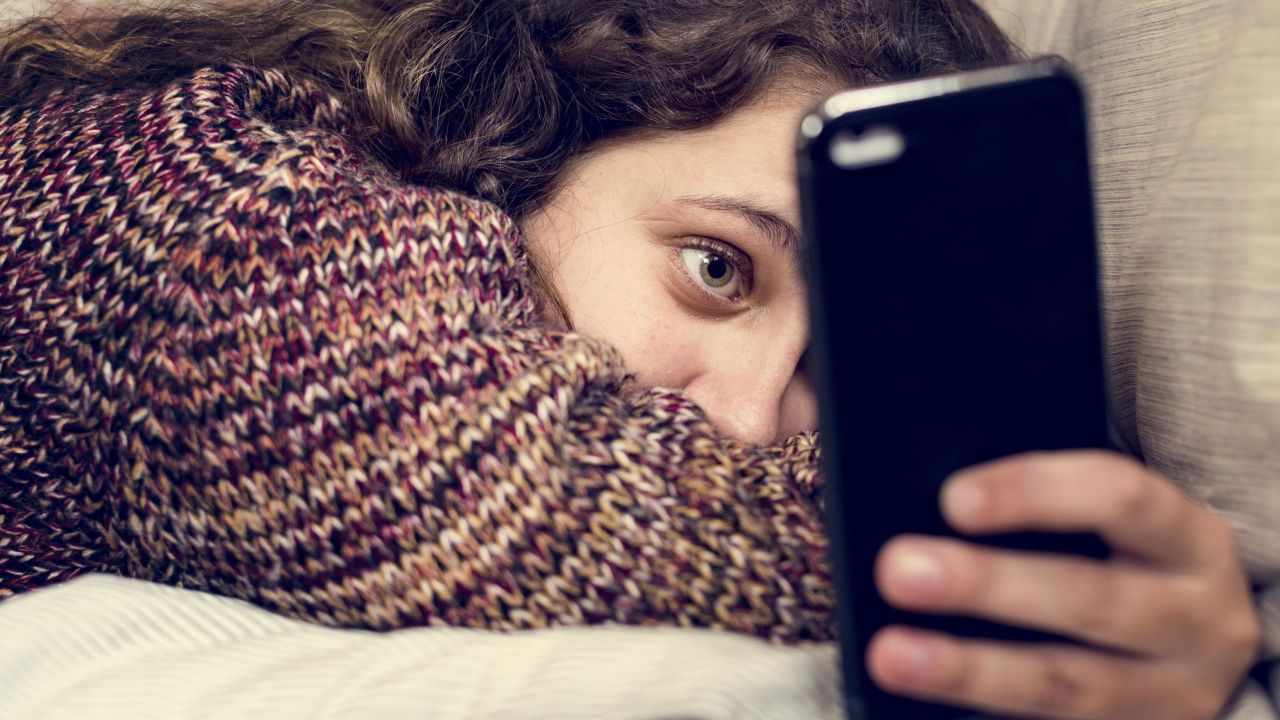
[(954, 282)]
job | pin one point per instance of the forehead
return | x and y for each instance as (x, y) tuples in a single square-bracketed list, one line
[(748, 153)]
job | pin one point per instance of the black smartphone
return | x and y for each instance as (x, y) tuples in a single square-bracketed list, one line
[(953, 277)]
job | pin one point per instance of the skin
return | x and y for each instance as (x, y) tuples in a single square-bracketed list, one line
[(1166, 626), (623, 239)]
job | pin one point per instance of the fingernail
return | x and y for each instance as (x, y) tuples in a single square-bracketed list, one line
[(916, 572), (911, 661), (964, 501)]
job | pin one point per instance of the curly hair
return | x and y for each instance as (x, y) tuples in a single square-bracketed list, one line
[(494, 97)]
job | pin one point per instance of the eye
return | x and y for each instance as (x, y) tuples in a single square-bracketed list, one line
[(713, 271)]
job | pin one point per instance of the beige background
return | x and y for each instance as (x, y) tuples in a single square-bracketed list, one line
[(1186, 119)]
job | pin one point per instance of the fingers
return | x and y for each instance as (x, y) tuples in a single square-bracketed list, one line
[(1029, 680), (1167, 620), (1132, 509), (1032, 680), (1120, 607), (1048, 681)]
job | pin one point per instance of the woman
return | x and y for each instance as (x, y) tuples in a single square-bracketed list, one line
[(486, 313)]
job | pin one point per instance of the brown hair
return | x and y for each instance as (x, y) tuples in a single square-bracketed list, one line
[(493, 97)]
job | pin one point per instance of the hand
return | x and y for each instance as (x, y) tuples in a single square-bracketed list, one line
[(1166, 624)]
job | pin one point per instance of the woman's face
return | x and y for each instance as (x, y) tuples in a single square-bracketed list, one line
[(681, 250)]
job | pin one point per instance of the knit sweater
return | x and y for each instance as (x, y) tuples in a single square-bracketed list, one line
[(240, 356)]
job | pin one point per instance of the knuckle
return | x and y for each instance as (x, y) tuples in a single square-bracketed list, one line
[(1200, 706), (1241, 631), (1096, 600), (1023, 490), (1058, 689), (1130, 493), (1241, 634), (975, 571), (1195, 609), (1035, 466), (959, 679), (1222, 535)]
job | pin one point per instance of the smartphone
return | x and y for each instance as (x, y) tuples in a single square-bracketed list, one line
[(952, 264)]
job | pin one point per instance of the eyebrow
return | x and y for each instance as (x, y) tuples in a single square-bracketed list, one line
[(784, 235)]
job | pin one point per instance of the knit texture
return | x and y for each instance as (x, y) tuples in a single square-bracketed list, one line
[(237, 355)]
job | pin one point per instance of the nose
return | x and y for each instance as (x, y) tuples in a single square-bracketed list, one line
[(758, 394)]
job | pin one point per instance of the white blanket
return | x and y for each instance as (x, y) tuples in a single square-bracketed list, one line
[(107, 647)]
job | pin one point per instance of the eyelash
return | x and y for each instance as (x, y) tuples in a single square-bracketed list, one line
[(740, 261)]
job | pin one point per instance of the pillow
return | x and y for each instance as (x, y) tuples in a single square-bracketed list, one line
[(101, 646), (1185, 105)]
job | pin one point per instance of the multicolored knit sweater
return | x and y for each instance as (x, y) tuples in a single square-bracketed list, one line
[(238, 356)]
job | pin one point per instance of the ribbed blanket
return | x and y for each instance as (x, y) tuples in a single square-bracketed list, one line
[(102, 647)]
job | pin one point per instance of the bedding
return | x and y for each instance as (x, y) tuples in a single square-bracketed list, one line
[(103, 646), (1184, 98)]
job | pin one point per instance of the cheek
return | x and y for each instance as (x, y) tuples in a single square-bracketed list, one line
[(661, 354), (658, 343), (799, 410), (620, 298)]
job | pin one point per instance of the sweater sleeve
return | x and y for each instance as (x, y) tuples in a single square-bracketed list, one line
[(346, 411)]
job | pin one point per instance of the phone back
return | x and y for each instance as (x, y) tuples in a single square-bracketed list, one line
[(953, 273)]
